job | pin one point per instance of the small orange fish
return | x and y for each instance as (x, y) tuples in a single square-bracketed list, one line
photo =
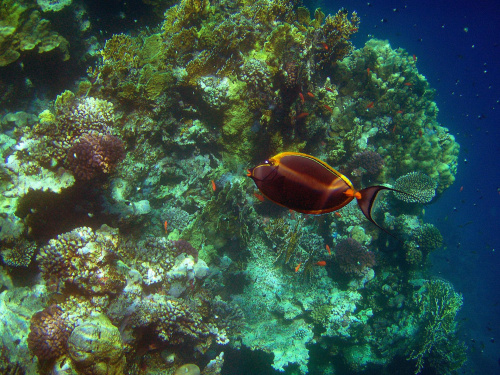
[(399, 112), (420, 133), (461, 189), (310, 94), (337, 214), (325, 46), (414, 58), (394, 129), (165, 226), (260, 197), (370, 105), (328, 108), (368, 71), (328, 249), (321, 263), (213, 185), (301, 115), (328, 89), (408, 84), (298, 267), (302, 97)]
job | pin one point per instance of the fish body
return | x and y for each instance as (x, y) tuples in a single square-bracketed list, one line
[(308, 185)]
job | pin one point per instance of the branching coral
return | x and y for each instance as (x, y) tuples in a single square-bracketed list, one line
[(436, 340), (365, 163), (17, 253), (352, 257), (82, 258), (172, 319), (49, 334), (95, 155), (428, 237)]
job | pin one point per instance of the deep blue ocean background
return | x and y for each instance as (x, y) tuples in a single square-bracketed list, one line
[(457, 45)]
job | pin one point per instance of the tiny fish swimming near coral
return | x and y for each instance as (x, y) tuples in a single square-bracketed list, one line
[(308, 185)]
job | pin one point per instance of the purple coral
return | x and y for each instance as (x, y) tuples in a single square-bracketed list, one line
[(352, 257), (183, 246), (49, 333), (94, 155), (365, 163)]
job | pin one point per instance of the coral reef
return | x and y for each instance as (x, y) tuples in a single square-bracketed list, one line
[(173, 253)]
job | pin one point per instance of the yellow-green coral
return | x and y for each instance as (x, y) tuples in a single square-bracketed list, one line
[(437, 341), (22, 29)]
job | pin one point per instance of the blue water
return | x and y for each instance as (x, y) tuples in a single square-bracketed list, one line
[(463, 66)]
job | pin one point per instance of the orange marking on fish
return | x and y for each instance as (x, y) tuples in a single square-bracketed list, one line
[(321, 263), (165, 225), (214, 187), (301, 115), (328, 108), (298, 267), (249, 173), (338, 214), (328, 249), (260, 197), (370, 105), (302, 99), (352, 193), (310, 94), (408, 84)]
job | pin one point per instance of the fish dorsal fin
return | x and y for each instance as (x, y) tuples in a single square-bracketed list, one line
[(366, 201)]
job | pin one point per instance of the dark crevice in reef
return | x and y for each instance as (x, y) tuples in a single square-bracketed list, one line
[(48, 214)]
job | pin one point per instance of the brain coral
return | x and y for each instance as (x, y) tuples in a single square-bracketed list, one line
[(352, 257), (96, 347)]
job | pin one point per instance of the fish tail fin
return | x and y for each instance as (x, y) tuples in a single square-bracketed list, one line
[(366, 201)]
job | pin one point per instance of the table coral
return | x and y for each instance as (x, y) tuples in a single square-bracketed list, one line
[(421, 187)]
